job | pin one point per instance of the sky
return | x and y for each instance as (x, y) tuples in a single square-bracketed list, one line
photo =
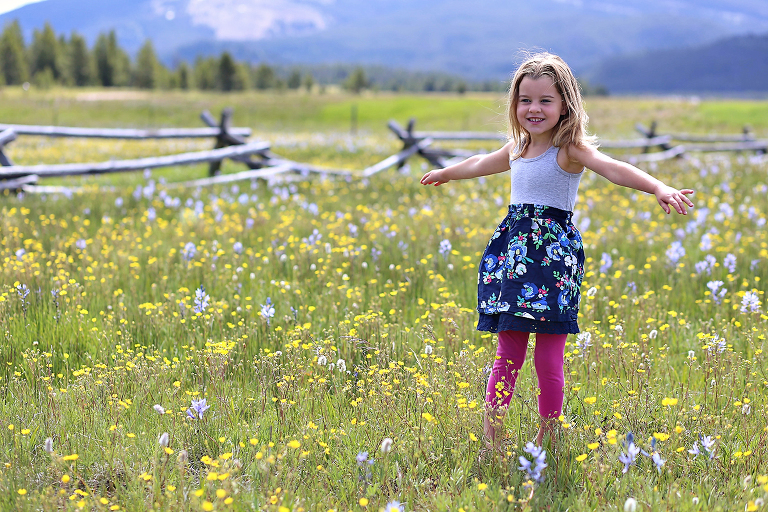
[(9, 5)]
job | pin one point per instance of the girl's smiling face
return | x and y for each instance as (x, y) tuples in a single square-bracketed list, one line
[(539, 106)]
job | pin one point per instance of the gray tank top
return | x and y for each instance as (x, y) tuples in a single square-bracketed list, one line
[(541, 180)]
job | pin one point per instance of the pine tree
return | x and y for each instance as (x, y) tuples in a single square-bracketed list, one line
[(147, 67), (356, 82), (227, 71), (243, 77), (81, 65), (105, 61), (294, 79), (45, 53), (264, 77), (205, 73), (309, 82), (64, 62), (183, 78), (112, 63), (123, 69), (13, 65)]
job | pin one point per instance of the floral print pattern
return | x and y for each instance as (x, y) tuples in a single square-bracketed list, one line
[(531, 272)]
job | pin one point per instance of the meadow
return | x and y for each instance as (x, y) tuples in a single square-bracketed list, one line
[(311, 345)]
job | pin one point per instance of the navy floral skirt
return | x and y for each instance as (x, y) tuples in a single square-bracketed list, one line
[(531, 272)]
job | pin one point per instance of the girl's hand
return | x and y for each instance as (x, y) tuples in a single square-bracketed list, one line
[(434, 177), (668, 196)]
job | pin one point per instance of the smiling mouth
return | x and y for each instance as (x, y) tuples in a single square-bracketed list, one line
[(535, 119)]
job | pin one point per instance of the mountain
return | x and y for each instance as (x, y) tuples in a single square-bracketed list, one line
[(480, 39), (732, 65)]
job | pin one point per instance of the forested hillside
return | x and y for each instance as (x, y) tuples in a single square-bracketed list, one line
[(733, 65), (53, 59), (477, 40), (163, 44)]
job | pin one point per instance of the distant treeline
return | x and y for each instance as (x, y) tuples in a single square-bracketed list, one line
[(50, 59)]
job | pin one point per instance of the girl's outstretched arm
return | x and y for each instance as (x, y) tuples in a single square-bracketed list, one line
[(472, 167), (622, 173)]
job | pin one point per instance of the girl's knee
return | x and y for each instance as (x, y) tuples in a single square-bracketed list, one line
[(550, 374)]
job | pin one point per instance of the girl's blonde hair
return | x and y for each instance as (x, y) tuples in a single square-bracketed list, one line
[(572, 126)]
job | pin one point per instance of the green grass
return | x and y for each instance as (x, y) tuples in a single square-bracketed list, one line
[(332, 112), (289, 111), (85, 365), (720, 115)]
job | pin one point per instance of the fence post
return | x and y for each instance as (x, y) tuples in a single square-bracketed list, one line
[(6, 136), (223, 139), (651, 133)]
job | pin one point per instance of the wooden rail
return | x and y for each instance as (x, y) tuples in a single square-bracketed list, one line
[(673, 152), (713, 143), (461, 135), (48, 170), (230, 143), (755, 145), (252, 174), (223, 132), (660, 140), (399, 158), (18, 183), (7, 135), (421, 143), (122, 133)]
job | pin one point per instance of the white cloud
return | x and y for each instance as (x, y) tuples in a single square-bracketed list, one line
[(249, 20), (10, 5)]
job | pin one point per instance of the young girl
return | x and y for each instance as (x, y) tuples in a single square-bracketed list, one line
[(531, 272)]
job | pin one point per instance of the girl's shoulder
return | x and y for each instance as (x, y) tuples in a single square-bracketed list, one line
[(570, 158)]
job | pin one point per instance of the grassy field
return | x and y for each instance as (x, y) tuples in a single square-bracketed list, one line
[(333, 342)]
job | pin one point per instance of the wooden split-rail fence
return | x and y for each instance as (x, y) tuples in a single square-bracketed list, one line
[(669, 145), (230, 143)]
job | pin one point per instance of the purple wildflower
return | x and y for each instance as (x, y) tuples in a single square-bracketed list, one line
[(199, 407), (201, 299)]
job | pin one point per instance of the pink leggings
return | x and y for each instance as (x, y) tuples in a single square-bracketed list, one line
[(548, 359)]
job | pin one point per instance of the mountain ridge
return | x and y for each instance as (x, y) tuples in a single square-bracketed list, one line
[(478, 39), (730, 65), (619, 44)]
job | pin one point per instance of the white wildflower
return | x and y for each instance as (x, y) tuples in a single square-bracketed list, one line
[(630, 505), (750, 303)]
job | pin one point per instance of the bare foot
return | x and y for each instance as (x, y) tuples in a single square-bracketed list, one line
[(492, 428), (548, 426)]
